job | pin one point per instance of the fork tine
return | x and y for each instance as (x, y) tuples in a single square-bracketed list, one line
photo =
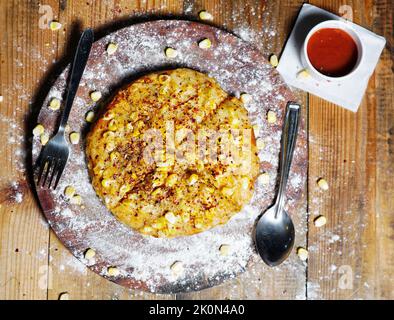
[(42, 164), (62, 164), (49, 161), (54, 171)]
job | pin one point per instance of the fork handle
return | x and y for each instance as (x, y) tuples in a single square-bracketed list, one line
[(78, 66)]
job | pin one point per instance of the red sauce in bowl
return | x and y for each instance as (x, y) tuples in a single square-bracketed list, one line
[(332, 52)]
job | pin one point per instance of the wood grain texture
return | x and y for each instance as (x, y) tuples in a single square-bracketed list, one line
[(352, 257)]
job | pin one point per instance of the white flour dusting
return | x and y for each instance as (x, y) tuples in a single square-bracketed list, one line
[(145, 259)]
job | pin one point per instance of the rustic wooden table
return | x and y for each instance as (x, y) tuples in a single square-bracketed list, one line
[(352, 257)]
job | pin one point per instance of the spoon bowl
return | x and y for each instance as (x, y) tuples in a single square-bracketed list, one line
[(274, 236)]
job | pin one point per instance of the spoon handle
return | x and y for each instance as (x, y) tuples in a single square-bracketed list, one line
[(289, 137)]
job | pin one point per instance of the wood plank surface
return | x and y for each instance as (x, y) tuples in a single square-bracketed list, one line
[(352, 257)]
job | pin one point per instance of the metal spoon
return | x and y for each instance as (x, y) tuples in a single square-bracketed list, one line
[(275, 230)]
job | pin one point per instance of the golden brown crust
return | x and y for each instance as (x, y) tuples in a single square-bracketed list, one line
[(171, 198)]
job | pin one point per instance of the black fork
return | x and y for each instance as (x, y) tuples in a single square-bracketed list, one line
[(54, 156)]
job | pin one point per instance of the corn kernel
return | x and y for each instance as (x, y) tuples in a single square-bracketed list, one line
[(271, 117), (156, 192), (54, 104), (302, 253), (95, 96), (303, 74), (134, 116), (323, 184), (245, 98), (74, 137), (224, 249), (177, 268), (113, 271), (123, 189), (105, 183), (228, 191), (320, 221), (1, 99), (171, 180), (205, 43), (171, 218), (90, 116), (69, 192), (44, 138), (108, 115), (192, 179), (170, 52), (274, 60), (38, 130), (111, 48), (55, 25), (263, 178), (89, 254), (113, 125), (147, 229), (114, 155), (64, 296), (76, 199), (205, 15)]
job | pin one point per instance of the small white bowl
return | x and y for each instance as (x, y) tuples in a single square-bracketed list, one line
[(337, 24)]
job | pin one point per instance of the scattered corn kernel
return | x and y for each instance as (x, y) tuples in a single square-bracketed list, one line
[(170, 52), (205, 15), (111, 48), (55, 25), (54, 104), (205, 43), (171, 218), (89, 254), (95, 96), (44, 138), (114, 155), (260, 143), (76, 199), (90, 116), (171, 180), (38, 130), (245, 98), (302, 253), (303, 74), (320, 221), (113, 271), (224, 249), (74, 137), (264, 178), (177, 268), (64, 296), (192, 179), (274, 60), (323, 184), (69, 192), (271, 117)]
